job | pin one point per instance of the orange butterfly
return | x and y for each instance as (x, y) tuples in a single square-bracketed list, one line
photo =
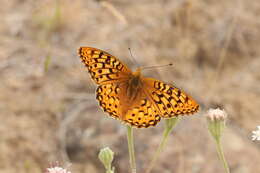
[(130, 97)]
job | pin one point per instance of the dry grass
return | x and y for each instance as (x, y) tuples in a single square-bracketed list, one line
[(214, 46)]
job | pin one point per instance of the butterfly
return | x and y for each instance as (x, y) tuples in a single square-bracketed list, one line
[(130, 97)]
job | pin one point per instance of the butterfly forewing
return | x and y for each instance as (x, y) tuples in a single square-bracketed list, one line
[(103, 67), (168, 99)]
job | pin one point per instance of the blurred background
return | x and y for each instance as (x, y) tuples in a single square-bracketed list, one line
[(48, 109)]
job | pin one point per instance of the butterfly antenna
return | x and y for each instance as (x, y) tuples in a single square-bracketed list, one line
[(156, 66), (132, 57)]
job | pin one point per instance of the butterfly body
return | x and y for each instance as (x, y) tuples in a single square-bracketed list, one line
[(134, 85), (130, 97)]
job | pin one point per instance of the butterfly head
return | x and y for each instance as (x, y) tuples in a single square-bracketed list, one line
[(137, 73)]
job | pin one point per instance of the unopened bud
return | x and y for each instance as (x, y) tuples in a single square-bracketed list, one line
[(106, 156)]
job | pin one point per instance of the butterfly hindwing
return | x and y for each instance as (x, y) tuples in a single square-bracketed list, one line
[(169, 100), (103, 67), (140, 114), (108, 97)]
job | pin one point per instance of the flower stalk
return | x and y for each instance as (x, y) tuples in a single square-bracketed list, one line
[(169, 125), (130, 140), (216, 124), (222, 156)]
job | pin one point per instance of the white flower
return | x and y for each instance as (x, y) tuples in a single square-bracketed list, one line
[(216, 122), (56, 169), (256, 134), (216, 115)]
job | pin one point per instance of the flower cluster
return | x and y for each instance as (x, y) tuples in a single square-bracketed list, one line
[(256, 134), (216, 122), (56, 169), (216, 114)]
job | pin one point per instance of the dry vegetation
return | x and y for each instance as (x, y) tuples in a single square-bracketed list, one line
[(49, 112)]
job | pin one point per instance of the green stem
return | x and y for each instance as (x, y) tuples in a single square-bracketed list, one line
[(57, 14), (131, 150), (221, 156), (170, 124), (47, 62), (159, 150), (109, 171)]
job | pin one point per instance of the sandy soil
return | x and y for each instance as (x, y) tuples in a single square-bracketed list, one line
[(48, 110)]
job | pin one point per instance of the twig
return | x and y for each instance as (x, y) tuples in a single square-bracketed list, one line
[(114, 11)]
